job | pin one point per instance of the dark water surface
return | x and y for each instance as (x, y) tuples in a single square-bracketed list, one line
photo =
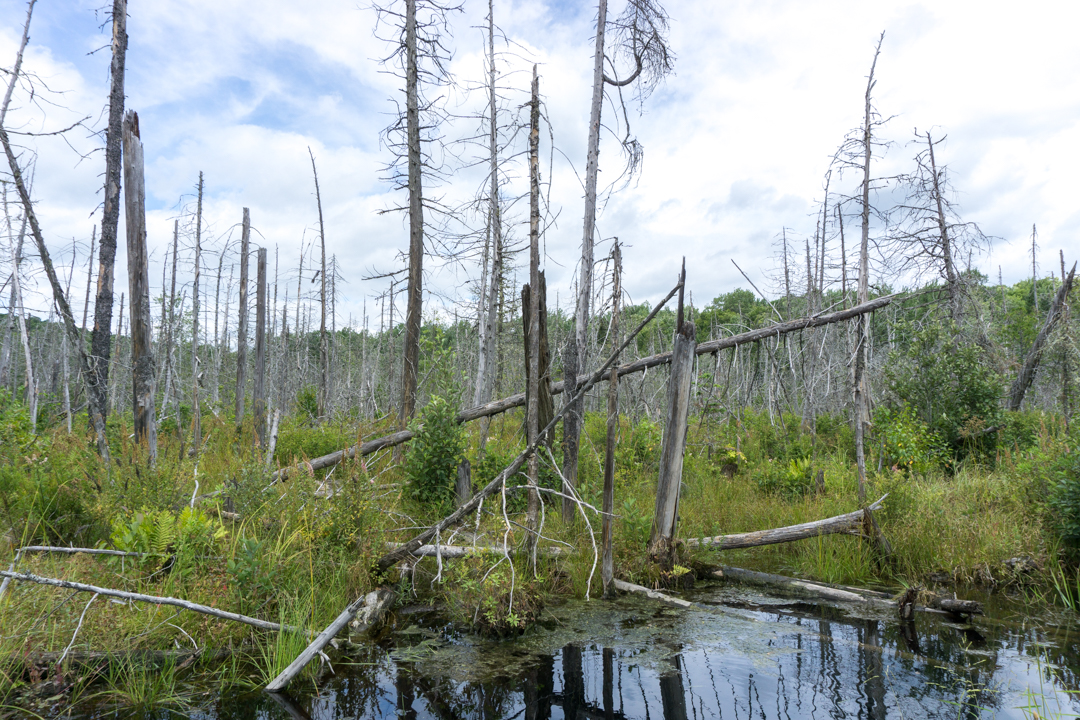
[(740, 655)]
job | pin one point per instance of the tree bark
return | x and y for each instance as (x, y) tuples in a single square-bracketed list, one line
[(196, 412), (607, 567), (533, 334), (669, 484), (242, 323), (259, 389), (143, 370), (416, 222), (1031, 361), (101, 339), (20, 314), (324, 348)]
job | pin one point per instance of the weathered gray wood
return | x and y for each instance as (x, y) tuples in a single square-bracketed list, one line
[(242, 324), (518, 400), (196, 412), (139, 597), (623, 586), (143, 369), (275, 423), (375, 605), (1031, 361), (804, 588), (324, 343), (851, 523), (532, 335), (258, 392), (669, 483), (411, 354), (607, 562), (463, 487)]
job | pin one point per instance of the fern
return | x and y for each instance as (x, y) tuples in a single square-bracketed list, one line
[(164, 533)]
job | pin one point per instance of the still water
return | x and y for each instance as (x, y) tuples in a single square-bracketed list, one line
[(738, 654)]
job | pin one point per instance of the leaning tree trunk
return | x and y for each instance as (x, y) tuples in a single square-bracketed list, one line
[(143, 372), (1031, 361)]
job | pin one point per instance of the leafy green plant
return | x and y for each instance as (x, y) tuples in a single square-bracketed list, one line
[(908, 443), (791, 479), (253, 576), (1065, 497), (160, 533), (434, 454)]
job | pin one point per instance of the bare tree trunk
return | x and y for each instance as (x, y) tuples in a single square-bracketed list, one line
[(607, 567), (89, 279), (170, 349), (196, 413), (584, 290), (669, 484), (113, 380), (218, 344), (416, 223), (1031, 361), (20, 316), (533, 334), (143, 371), (100, 340), (324, 349), (862, 339), (259, 390), (951, 277), (242, 324), (1034, 272)]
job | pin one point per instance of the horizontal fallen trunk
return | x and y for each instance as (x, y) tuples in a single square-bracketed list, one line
[(513, 401), (451, 552), (851, 523), (372, 606), (623, 586), (139, 597)]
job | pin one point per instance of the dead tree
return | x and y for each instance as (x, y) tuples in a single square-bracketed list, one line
[(640, 36), (607, 567), (259, 390), (1031, 361), (18, 309), (533, 334), (669, 484), (100, 339), (196, 413), (324, 348), (242, 323), (143, 371)]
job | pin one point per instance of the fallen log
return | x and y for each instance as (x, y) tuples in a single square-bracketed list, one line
[(623, 586), (373, 606), (139, 597), (851, 523), (452, 552), (518, 400)]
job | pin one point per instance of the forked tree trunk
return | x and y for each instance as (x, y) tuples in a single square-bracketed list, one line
[(143, 371)]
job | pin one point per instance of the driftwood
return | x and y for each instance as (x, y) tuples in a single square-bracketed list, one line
[(623, 586), (373, 606), (453, 552), (518, 400), (852, 523), (139, 597), (1031, 362)]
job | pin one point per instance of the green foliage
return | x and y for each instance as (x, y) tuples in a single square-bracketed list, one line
[(791, 479), (307, 405), (1065, 497), (161, 533), (16, 432), (908, 444), (434, 454), (497, 599), (950, 388), (639, 445), (297, 440), (253, 575)]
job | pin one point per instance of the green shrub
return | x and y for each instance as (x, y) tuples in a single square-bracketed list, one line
[(253, 577), (1065, 497), (296, 440), (185, 535), (908, 444), (434, 454), (793, 478)]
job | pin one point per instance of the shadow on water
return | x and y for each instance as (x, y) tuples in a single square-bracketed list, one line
[(737, 654)]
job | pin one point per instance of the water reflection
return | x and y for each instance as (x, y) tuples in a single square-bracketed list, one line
[(747, 657)]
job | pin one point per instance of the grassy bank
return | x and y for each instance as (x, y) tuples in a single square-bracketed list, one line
[(298, 552)]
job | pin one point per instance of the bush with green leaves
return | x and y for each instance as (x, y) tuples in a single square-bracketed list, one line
[(790, 479), (908, 443), (184, 535), (950, 387), (434, 454), (1065, 497)]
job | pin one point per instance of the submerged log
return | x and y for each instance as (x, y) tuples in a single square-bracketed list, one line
[(370, 607), (623, 586), (851, 523)]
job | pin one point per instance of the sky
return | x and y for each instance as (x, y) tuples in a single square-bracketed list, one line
[(737, 141)]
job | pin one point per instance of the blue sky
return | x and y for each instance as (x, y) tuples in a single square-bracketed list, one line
[(736, 143)]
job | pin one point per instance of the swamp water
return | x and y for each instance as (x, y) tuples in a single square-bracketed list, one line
[(738, 654)]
